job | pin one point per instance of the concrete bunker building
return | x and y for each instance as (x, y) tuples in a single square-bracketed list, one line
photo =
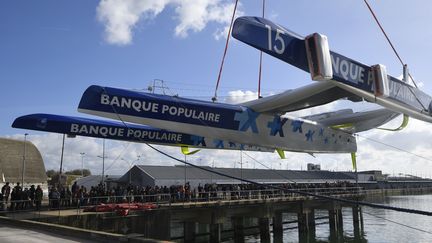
[(12, 153)]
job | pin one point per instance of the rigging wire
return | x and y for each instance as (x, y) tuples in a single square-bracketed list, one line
[(260, 60), (274, 171), (394, 147), (352, 202), (195, 84), (116, 159), (385, 34), (401, 224), (214, 99), (367, 138), (395, 51), (358, 135), (281, 188)]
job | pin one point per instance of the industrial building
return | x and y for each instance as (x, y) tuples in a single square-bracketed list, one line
[(16, 156), (151, 175), (94, 180), (154, 175)]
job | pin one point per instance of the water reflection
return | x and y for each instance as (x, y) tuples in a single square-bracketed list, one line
[(379, 225)]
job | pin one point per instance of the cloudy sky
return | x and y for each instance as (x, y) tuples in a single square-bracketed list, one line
[(50, 51)]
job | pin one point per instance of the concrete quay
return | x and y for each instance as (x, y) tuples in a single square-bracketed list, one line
[(206, 220)]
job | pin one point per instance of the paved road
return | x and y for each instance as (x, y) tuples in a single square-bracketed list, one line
[(12, 234)]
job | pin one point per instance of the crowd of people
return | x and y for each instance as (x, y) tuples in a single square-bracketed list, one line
[(19, 198), (78, 196)]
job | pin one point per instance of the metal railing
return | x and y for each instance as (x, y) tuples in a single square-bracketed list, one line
[(265, 194), (168, 199)]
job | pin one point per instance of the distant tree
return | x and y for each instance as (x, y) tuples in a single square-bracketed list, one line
[(67, 176), (86, 172), (51, 173)]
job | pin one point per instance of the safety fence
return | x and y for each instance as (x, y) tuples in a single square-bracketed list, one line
[(168, 199)]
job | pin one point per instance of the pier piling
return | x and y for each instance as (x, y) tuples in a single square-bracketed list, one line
[(335, 223), (264, 226), (278, 227), (238, 226), (306, 225), (215, 233), (189, 231)]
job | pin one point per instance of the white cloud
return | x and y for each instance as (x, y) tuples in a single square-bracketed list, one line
[(412, 143), (120, 17), (240, 96), (273, 16), (221, 33)]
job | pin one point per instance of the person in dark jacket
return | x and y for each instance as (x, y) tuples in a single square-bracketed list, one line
[(55, 198), (14, 199), (24, 197), (6, 190), (38, 197), (31, 193)]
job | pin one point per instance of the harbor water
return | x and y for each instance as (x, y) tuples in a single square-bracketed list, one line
[(379, 225)]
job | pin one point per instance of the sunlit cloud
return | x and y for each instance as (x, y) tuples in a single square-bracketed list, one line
[(120, 18)]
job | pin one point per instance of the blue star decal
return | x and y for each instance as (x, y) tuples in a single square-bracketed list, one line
[(321, 132), (297, 126), (197, 140), (276, 126), (231, 144), (309, 135), (218, 143), (247, 119)]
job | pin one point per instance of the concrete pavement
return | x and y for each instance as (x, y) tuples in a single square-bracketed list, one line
[(12, 234)]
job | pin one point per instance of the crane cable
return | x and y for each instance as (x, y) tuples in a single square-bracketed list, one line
[(401, 224), (265, 166), (385, 34), (309, 194), (214, 99), (395, 51), (373, 205), (260, 62)]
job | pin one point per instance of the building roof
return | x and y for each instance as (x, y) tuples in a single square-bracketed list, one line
[(94, 180), (192, 173)]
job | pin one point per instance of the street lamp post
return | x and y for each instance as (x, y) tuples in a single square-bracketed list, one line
[(61, 157), (82, 164), (24, 157), (185, 171), (211, 174), (241, 166), (103, 161)]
